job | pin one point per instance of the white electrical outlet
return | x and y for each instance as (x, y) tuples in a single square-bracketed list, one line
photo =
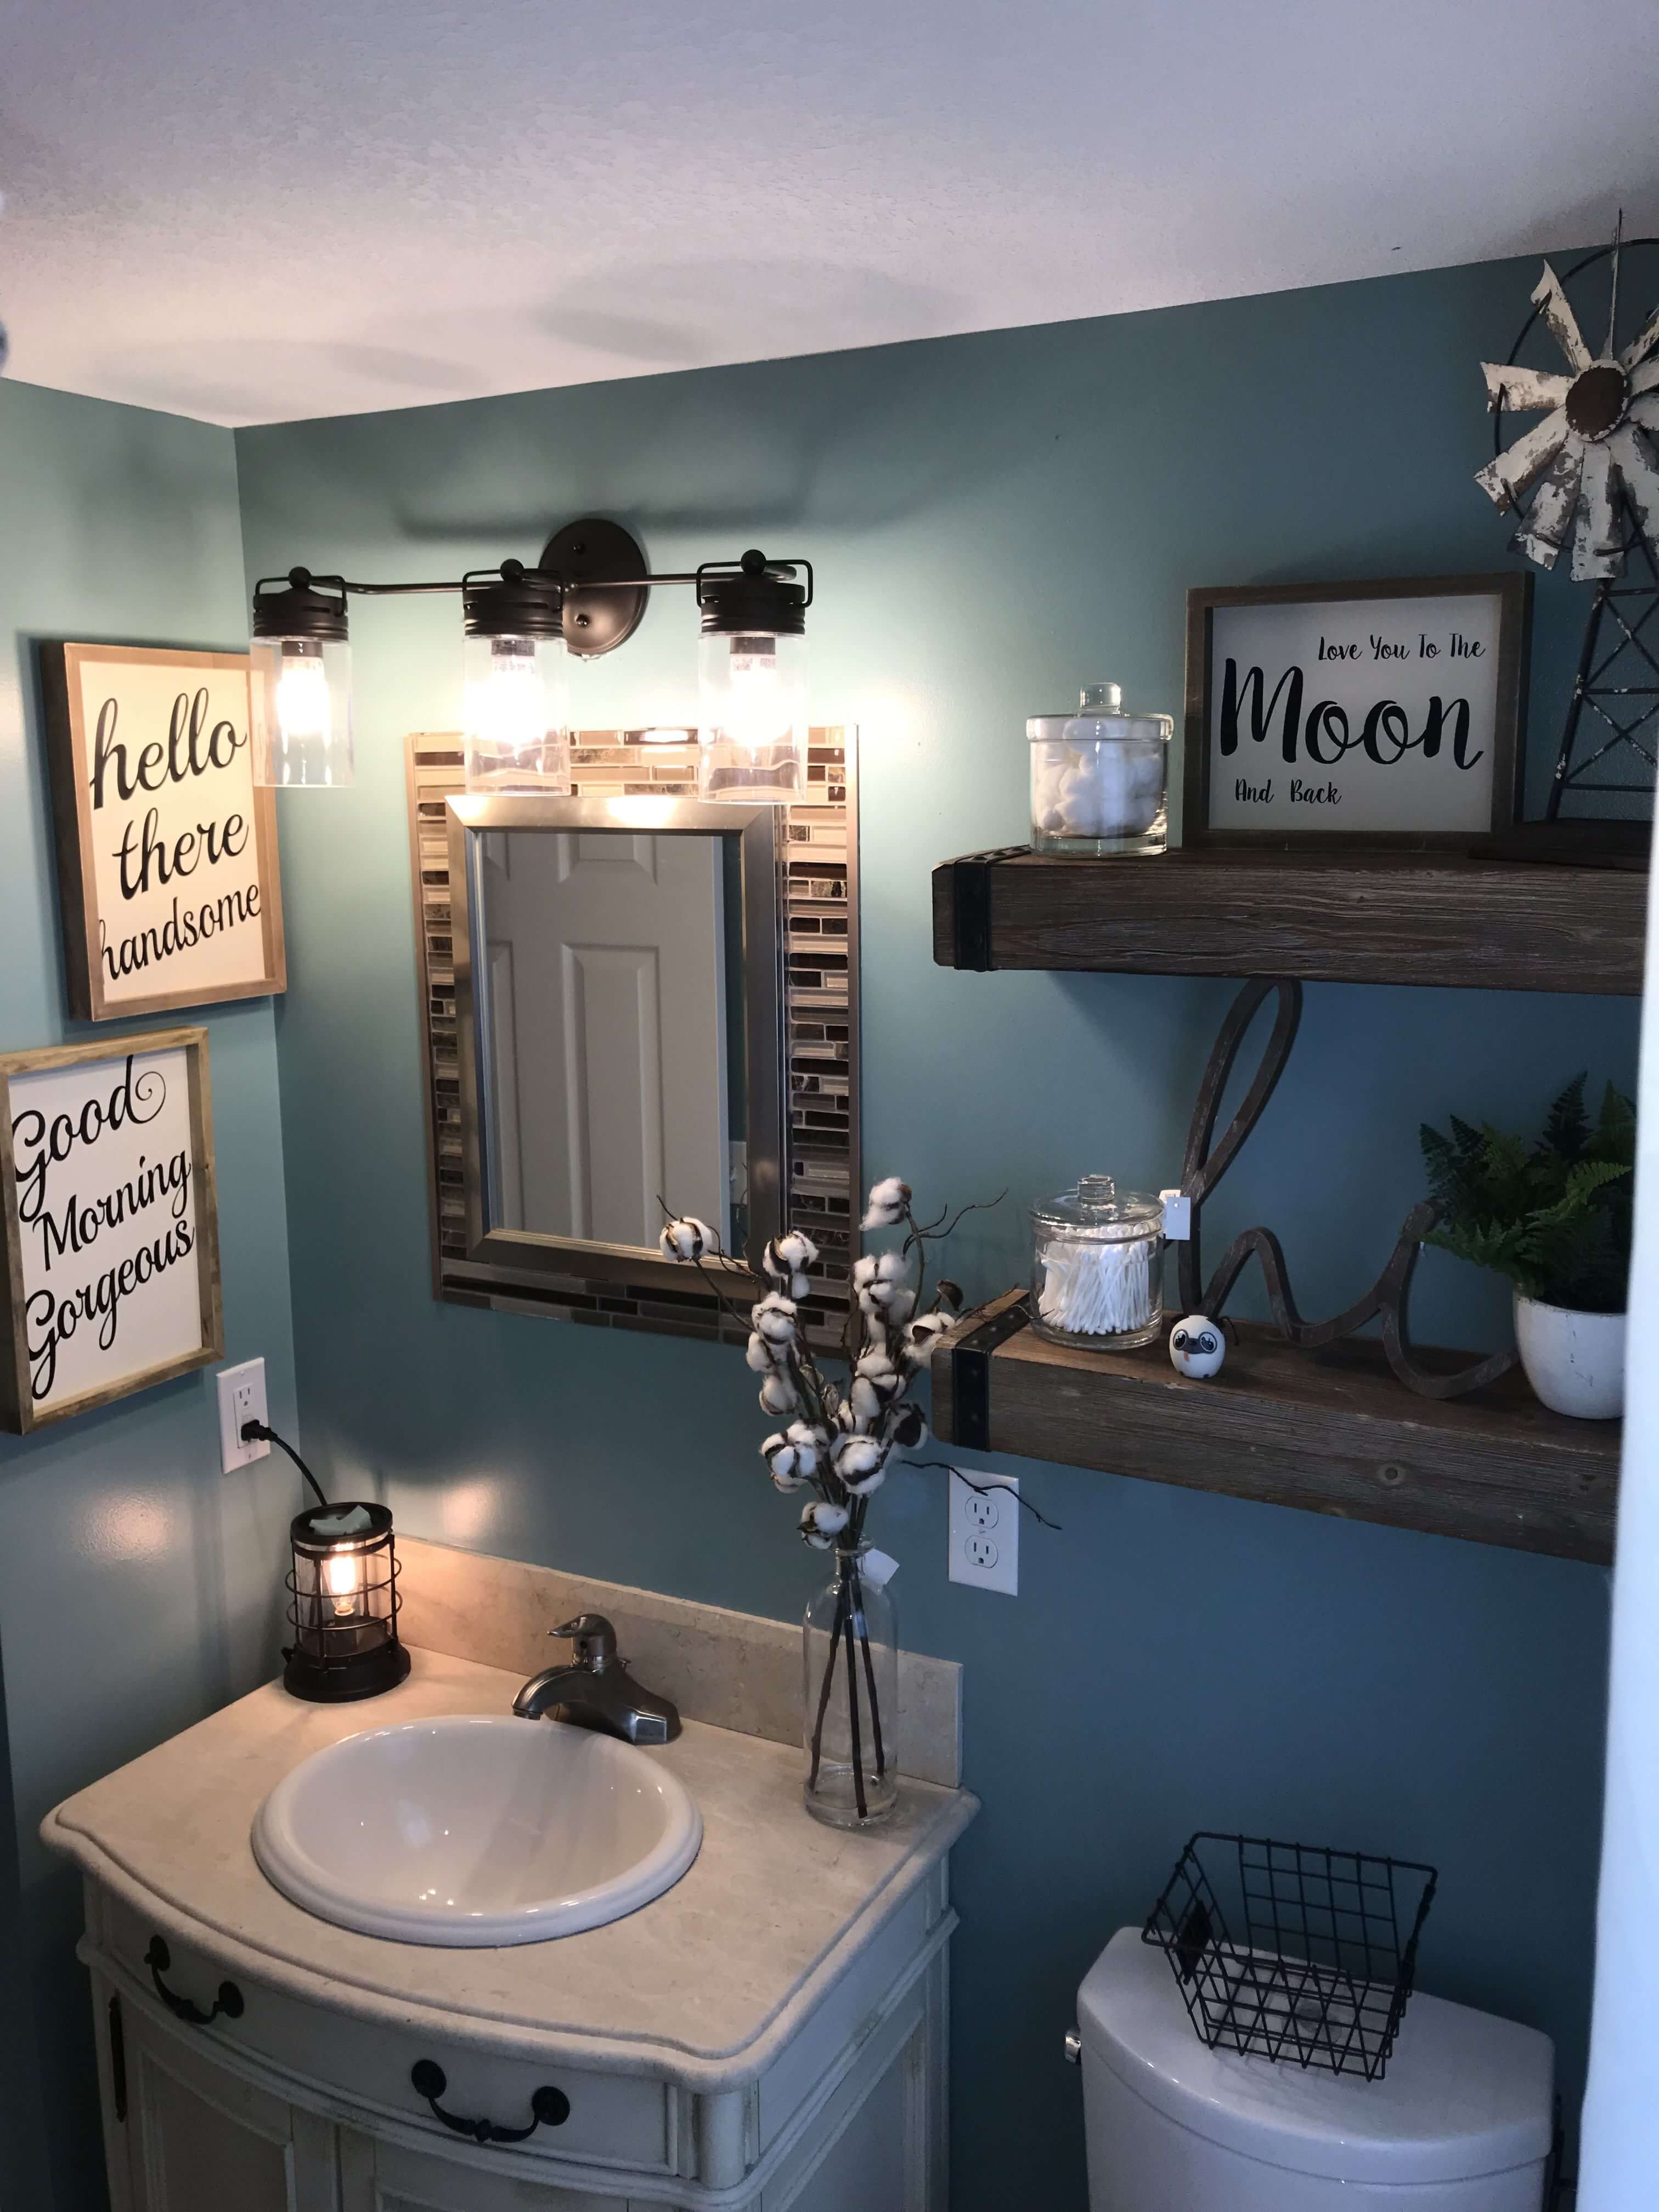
[(241, 1399), (985, 1532)]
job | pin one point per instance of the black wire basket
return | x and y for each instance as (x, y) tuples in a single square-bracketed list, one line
[(1290, 1953)]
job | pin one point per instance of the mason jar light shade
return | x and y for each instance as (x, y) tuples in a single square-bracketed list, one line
[(752, 672), (752, 743), (516, 716), (301, 686), (343, 1605)]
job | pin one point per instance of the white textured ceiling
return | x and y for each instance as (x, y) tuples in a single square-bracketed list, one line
[(255, 210)]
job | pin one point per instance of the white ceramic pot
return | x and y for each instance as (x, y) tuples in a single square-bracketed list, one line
[(1574, 1362)]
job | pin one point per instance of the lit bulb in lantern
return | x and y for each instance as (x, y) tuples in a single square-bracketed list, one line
[(753, 737), (515, 715), (343, 1580), (304, 712)]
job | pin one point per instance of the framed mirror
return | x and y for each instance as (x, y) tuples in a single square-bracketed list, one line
[(618, 974), (628, 994)]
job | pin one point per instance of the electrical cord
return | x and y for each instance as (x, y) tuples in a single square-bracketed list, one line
[(253, 1431)]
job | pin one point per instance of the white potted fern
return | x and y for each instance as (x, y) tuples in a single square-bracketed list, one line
[(1554, 1217)]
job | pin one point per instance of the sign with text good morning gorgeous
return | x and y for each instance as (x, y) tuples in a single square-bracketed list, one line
[(112, 1245), (1373, 710), (167, 852)]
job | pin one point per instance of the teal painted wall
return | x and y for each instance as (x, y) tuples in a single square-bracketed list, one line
[(995, 519), (138, 1585)]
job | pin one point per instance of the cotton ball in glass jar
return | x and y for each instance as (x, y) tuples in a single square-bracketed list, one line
[(1079, 803), (1197, 1346)]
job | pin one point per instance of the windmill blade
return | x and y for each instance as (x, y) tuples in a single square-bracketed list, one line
[(1509, 385), (1551, 301), (1638, 469), (1544, 531), (1597, 552), (1512, 474), (1644, 342)]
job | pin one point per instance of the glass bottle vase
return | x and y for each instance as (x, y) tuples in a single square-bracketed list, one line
[(849, 1646)]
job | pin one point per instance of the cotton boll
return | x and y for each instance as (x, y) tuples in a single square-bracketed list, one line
[(865, 1402), (821, 1524), (888, 1200), (909, 1429), (864, 1272), (687, 1239), (800, 1285), (921, 1334), (775, 1319), (777, 1395), (759, 1354), (807, 1443), (859, 1461)]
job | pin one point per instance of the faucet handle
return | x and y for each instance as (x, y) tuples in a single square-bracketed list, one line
[(592, 1640)]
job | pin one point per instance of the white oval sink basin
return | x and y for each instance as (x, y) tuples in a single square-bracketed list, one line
[(475, 1830)]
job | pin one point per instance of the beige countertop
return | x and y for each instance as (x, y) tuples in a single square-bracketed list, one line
[(704, 1985)]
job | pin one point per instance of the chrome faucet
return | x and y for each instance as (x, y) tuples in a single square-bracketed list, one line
[(596, 1690)]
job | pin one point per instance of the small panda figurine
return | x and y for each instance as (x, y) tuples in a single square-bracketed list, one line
[(1197, 1346)]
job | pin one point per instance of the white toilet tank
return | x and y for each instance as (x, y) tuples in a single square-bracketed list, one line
[(1461, 2121)]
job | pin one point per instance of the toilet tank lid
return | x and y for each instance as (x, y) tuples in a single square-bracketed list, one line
[(1464, 2093)]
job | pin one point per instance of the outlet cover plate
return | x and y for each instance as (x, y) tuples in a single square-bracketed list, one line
[(985, 1532), (241, 1398)]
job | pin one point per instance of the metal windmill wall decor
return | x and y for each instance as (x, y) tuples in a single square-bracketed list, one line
[(1588, 475)]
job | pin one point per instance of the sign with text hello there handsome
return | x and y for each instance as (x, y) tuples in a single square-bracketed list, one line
[(106, 1192), (167, 850)]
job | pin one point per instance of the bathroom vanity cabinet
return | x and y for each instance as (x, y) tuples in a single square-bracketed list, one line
[(768, 2033)]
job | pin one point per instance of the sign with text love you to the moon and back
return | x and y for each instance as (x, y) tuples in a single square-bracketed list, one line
[(1370, 711), (167, 850), (106, 1197)]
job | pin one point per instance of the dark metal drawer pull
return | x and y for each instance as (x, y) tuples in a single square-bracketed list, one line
[(228, 2002), (550, 2108)]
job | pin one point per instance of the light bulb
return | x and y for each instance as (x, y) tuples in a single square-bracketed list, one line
[(752, 743), (343, 1579), (304, 712), (759, 712), (515, 715)]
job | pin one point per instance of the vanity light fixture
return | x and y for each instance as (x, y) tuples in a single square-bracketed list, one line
[(343, 1592), (585, 596)]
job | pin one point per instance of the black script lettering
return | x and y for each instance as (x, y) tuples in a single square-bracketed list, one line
[(1289, 687), (1326, 720)]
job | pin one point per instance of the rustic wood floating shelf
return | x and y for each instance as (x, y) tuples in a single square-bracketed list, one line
[(1333, 1433), (1435, 918)]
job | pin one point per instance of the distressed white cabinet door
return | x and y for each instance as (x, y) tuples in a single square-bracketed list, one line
[(878, 2162), (606, 959), (199, 2139), (382, 2177)]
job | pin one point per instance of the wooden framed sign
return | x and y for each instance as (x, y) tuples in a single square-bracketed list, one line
[(1371, 713), (112, 1234), (167, 850)]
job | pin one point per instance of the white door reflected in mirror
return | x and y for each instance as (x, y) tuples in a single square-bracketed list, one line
[(610, 958)]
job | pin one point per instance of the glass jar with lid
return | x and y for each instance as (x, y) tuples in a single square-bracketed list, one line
[(1098, 777), (1097, 1267)]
